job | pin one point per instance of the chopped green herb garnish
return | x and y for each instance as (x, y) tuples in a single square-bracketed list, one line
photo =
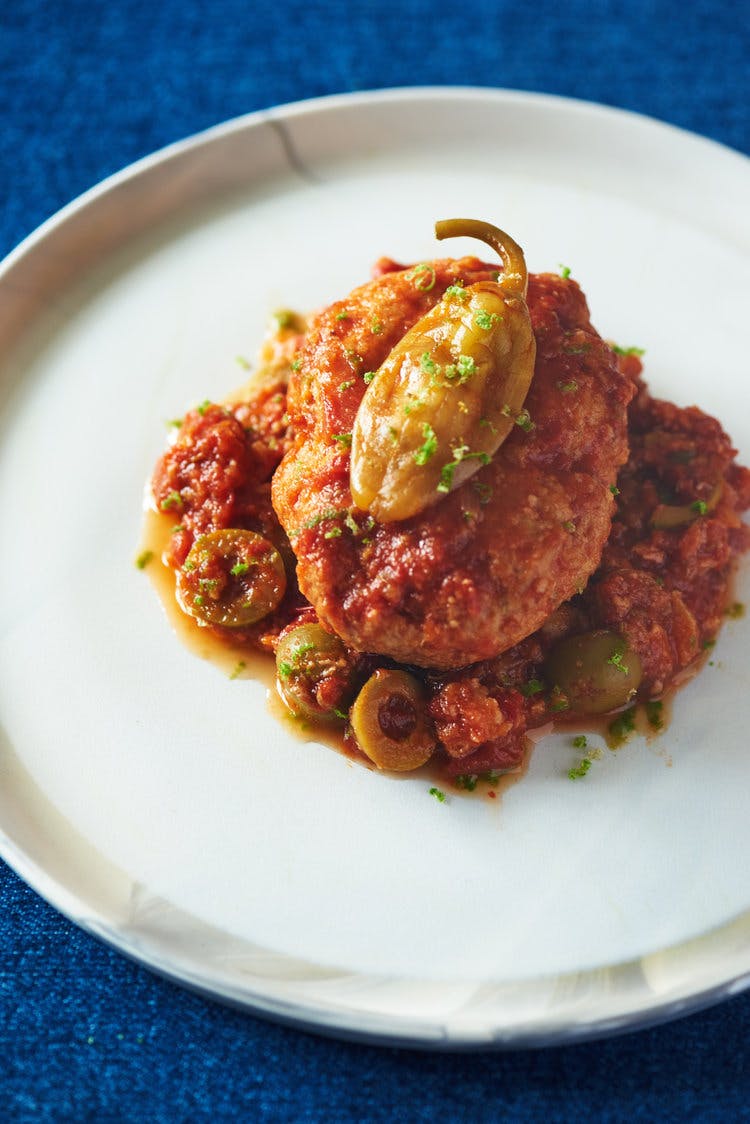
[(344, 439), (144, 558), (564, 272), (342, 315), (457, 290), (429, 447), (347, 385), (241, 361), (614, 489), (175, 423), (735, 610), (524, 421), (533, 687), (580, 741), (376, 327), (296, 364), (438, 794), (239, 569), (568, 387), (700, 507), (569, 526), (707, 644), (238, 669), (334, 533), (368, 376), (204, 406)]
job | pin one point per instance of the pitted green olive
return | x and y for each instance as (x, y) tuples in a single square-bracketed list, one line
[(595, 671), (314, 672), (389, 721), (231, 578)]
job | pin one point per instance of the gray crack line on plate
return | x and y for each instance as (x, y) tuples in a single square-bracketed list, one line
[(290, 151)]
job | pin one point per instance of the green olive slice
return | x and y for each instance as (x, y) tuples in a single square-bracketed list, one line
[(314, 673), (231, 578), (667, 516), (389, 721), (595, 671)]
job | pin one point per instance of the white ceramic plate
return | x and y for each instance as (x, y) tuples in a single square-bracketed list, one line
[(157, 802)]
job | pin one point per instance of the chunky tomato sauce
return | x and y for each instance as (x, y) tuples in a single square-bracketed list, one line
[(662, 584)]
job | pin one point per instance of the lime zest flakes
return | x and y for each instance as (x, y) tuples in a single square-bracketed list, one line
[(429, 447), (637, 351), (144, 558), (623, 725), (239, 667), (564, 272), (438, 794), (461, 453), (580, 770), (616, 659), (486, 320), (428, 364), (423, 276), (172, 502)]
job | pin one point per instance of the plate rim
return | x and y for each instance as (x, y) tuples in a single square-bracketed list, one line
[(380, 1029)]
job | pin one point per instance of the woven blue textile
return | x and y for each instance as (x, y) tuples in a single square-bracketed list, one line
[(85, 89)]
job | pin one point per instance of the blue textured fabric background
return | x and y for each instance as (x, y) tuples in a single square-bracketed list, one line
[(85, 89)]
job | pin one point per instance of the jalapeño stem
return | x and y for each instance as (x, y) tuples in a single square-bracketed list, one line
[(515, 274)]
